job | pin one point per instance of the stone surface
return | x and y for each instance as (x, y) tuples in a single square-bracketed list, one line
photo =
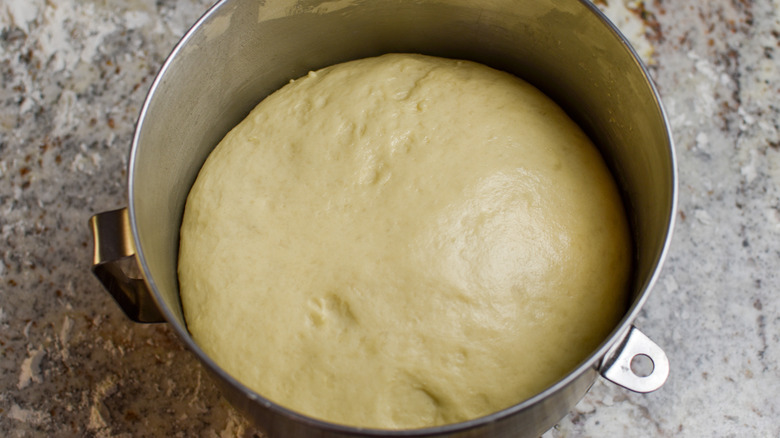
[(74, 74)]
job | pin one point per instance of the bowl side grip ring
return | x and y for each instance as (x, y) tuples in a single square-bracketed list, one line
[(616, 366), (115, 265)]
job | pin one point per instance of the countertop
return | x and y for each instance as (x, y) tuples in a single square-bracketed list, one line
[(74, 74)]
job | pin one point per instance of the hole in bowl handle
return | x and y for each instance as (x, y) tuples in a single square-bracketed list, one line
[(616, 366), (114, 256)]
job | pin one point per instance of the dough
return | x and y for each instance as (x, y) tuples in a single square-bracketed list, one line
[(403, 241)]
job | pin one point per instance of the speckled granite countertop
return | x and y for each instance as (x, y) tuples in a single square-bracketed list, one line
[(74, 74)]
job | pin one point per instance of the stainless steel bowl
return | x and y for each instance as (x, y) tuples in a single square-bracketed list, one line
[(242, 50)]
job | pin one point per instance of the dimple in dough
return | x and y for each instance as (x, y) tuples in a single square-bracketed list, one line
[(401, 242)]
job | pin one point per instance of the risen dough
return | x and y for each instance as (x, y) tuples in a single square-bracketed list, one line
[(403, 241)]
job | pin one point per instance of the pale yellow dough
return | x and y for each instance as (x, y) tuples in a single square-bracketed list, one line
[(401, 242)]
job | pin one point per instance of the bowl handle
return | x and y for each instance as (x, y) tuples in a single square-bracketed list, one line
[(114, 264), (616, 366)]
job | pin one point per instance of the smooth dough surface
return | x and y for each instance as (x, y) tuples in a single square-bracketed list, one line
[(403, 241)]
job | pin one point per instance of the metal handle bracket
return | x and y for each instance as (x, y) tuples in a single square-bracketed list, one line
[(114, 256), (617, 363)]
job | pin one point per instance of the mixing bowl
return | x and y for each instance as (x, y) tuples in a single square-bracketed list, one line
[(242, 50)]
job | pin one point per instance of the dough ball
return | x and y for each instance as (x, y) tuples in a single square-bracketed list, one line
[(401, 242)]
